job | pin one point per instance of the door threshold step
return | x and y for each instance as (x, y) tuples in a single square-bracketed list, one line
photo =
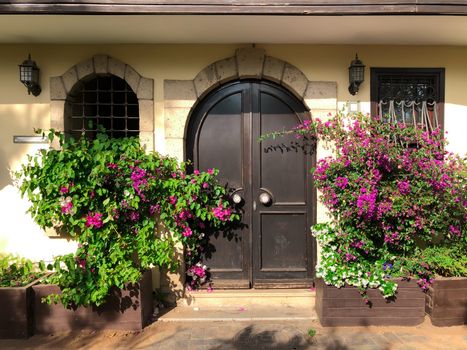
[(241, 313), (232, 299)]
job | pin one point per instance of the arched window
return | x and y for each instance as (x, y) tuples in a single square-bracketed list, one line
[(102, 101)]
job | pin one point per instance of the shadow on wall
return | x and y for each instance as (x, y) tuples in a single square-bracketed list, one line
[(19, 234)]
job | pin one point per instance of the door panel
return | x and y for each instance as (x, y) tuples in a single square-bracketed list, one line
[(217, 140), (282, 249), (274, 244), (279, 169), (282, 162)]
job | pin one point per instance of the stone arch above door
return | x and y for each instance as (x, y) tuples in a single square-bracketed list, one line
[(180, 96), (61, 86)]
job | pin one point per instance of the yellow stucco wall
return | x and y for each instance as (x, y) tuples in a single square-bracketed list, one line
[(20, 113)]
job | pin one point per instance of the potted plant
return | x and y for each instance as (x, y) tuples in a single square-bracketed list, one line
[(126, 208), (390, 189), (17, 276)]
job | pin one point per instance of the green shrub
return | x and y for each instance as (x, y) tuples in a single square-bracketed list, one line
[(18, 272), (126, 208)]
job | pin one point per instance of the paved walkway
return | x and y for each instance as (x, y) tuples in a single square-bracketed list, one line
[(254, 335)]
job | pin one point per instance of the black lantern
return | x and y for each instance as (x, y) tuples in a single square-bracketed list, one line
[(29, 76), (356, 75)]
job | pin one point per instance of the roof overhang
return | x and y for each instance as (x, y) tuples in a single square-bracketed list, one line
[(181, 29), (239, 7)]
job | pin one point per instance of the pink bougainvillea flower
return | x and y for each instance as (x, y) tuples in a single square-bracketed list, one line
[(211, 171), (196, 172), (187, 232), (223, 214), (94, 220), (173, 200), (342, 182), (404, 187), (64, 189), (154, 208), (67, 208)]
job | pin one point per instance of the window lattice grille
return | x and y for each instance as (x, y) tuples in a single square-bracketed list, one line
[(103, 101), (409, 96)]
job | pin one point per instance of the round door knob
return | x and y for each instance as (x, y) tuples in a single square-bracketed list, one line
[(236, 198), (265, 198)]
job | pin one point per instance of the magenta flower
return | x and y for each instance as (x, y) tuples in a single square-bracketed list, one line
[(94, 220), (154, 208), (134, 216), (455, 230), (64, 189), (173, 200), (342, 182), (404, 187), (210, 171), (67, 208), (187, 232), (221, 213)]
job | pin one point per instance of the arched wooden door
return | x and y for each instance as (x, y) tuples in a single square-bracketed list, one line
[(274, 248)]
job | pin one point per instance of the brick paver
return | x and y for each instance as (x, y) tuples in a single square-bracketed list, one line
[(256, 335)]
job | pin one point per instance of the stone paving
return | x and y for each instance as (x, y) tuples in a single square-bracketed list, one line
[(248, 335)]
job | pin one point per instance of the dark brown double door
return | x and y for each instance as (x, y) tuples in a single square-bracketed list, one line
[(274, 247)]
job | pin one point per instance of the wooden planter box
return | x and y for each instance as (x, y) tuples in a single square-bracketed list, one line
[(16, 311), (446, 301), (345, 306), (128, 309)]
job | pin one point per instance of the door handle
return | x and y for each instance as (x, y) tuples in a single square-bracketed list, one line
[(236, 198), (265, 198)]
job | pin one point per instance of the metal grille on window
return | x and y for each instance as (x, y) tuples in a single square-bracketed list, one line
[(409, 100), (103, 101)]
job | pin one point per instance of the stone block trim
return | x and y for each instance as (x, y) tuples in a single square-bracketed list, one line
[(181, 95), (295, 80), (250, 62), (61, 86)]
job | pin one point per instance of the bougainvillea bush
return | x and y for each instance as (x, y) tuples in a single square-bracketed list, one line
[(126, 208), (390, 190), (17, 271)]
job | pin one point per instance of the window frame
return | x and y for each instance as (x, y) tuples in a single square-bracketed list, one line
[(376, 73)]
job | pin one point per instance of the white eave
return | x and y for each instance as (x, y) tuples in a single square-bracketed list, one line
[(214, 29)]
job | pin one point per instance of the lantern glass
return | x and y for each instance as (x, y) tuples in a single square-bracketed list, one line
[(26, 73), (29, 76)]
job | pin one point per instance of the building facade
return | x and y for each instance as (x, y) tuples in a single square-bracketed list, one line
[(186, 78)]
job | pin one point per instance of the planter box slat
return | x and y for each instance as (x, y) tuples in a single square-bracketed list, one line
[(448, 312), (345, 306), (375, 321), (128, 309), (451, 283), (335, 302), (347, 293), (444, 294), (446, 301)]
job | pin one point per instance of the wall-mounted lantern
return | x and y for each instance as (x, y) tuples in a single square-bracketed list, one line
[(29, 76), (356, 75)]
